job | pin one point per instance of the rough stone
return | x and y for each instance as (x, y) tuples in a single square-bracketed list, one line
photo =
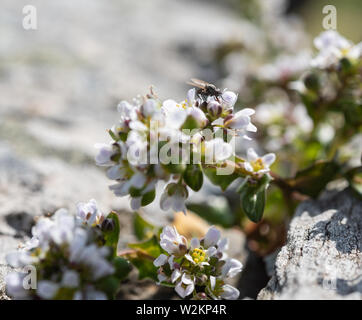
[(322, 258)]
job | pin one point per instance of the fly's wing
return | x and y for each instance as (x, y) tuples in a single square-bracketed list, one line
[(197, 83)]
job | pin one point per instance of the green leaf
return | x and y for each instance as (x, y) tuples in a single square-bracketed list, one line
[(253, 194), (143, 256), (109, 285), (174, 168), (223, 181), (253, 198), (111, 236), (221, 215), (122, 266), (142, 228), (148, 198), (193, 176), (113, 136), (312, 180)]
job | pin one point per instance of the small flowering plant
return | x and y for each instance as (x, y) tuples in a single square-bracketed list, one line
[(198, 268), (179, 143), (70, 256)]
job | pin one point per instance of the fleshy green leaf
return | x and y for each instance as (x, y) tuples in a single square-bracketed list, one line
[(193, 176), (122, 267), (223, 181), (148, 198), (142, 228), (252, 197)]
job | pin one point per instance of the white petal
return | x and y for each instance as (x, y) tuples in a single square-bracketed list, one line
[(251, 128), (47, 289), (211, 251), (195, 243), (212, 237), (160, 260), (229, 292), (175, 275), (252, 155), (268, 159), (136, 203), (138, 180), (161, 277), (245, 112), (212, 282), (180, 290), (189, 289), (248, 167)]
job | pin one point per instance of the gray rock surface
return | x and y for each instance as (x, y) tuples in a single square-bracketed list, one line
[(322, 258)]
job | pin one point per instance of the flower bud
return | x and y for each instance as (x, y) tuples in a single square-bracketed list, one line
[(108, 225), (229, 98), (214, 108)]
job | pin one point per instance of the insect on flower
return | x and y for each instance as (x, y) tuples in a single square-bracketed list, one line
[(205, 89)]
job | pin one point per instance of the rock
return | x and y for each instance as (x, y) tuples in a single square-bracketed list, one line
[(322, 258)]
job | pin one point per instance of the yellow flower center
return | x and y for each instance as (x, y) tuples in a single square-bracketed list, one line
[(182, 105), (257, 164), (198, 255)]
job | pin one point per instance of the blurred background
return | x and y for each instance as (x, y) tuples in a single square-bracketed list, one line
[(60, 85)]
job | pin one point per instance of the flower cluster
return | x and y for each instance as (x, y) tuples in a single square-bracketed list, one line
[(161, 140), (69, 258), (199, 268), (332, 48)]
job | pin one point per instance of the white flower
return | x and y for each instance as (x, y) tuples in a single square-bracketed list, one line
[(228, 99), (217, 150), (47, 289), (89, 213), (231, 268), (198, 115), (241, 120), (70, 279), (106, 151), (150, 108), (332, 48), (229, 292), (126, 110), (256, 164), (174, 196), (122, 188), (172, 242), (185, 286), (214, 108), (175, 114), (14, 285), (90, 293)]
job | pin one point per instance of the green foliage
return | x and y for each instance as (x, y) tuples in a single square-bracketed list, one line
[(143, 255), (193, 176), (312, 180), (219, 215), (142, 228), (252, 196), (223, 181), (111, 236)]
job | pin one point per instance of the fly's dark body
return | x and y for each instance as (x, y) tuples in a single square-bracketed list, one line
[(205, 89)]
